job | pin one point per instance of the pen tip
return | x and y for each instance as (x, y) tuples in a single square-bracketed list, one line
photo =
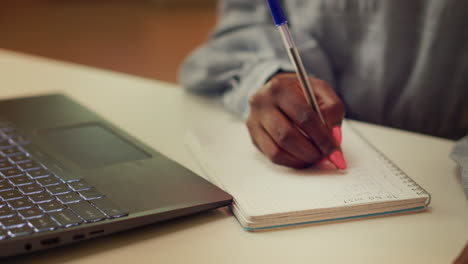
[(336, 157)]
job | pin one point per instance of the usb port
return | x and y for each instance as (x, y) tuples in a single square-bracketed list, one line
[(96, 232), (50, 241)]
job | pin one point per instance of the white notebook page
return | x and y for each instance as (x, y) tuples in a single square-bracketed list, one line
[(262, 188)]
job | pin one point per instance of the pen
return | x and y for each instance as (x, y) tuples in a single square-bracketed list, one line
[(282, 24)]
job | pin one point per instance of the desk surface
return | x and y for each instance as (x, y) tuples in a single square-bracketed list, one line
[(157, 114)]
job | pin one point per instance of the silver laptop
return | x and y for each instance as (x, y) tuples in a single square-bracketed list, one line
[(67, 175)]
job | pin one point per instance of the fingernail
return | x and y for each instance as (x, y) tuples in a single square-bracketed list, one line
[(336, 132), (337, 158)]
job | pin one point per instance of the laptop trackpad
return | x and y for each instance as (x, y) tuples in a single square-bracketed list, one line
[(91, 145)]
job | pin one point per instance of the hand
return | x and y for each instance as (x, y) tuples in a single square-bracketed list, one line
[(285, 128), (463, 257)]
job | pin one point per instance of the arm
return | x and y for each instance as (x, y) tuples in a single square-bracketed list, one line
[(245, 51), (244, 61)]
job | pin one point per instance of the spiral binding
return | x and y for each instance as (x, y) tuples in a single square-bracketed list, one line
[(415, 187)]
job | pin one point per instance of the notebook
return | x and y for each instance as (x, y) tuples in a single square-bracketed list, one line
[(272, 196), (67, 175)]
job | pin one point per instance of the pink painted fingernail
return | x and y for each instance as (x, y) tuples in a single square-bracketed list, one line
[(336, 132)]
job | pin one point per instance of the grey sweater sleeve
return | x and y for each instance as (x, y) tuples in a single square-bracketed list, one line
[(460, 155), (244, 51)]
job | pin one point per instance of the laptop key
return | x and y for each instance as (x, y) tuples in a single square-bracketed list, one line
[(80, 185), (52, 206), (6, 212), (32, 212), (90, 194), (38, 173), (41, 197), (49, 180), (109, 208), (20, 203), (20, 158), (58, 189), (68, 177), (10, 195), (43, 223), (20, 180), (11, 151), (12, 172), (20, 231), (30, 188), (29, 165), (66, 218), (5, 185), (70, 197), (87, 211), (4, 143), (6, 164), (11, 222)]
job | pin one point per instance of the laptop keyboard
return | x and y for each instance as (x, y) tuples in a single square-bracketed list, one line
[(34, 199)]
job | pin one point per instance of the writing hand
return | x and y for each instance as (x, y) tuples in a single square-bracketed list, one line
[(285, 128)]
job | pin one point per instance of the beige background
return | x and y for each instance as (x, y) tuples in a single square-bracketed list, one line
[(144, 38)]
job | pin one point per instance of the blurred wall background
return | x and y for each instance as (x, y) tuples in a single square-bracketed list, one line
[(146, 38)]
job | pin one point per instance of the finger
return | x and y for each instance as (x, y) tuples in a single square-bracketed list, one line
[(303, 116), (269, 148), (288, 137), (331, 106)]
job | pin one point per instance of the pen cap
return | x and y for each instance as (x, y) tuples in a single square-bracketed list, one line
[(277, 12)]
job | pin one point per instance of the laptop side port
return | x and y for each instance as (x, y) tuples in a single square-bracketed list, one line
[(50, 241), (92, 233)]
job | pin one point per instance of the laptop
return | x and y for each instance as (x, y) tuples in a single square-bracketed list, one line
[(67, 175)]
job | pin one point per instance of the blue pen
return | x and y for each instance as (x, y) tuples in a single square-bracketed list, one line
[(282, 25), (336, 157)]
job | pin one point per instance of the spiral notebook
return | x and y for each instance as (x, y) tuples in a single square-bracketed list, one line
[(271, 196)]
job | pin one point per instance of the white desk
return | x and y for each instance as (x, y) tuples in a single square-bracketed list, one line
[(156, 113)]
